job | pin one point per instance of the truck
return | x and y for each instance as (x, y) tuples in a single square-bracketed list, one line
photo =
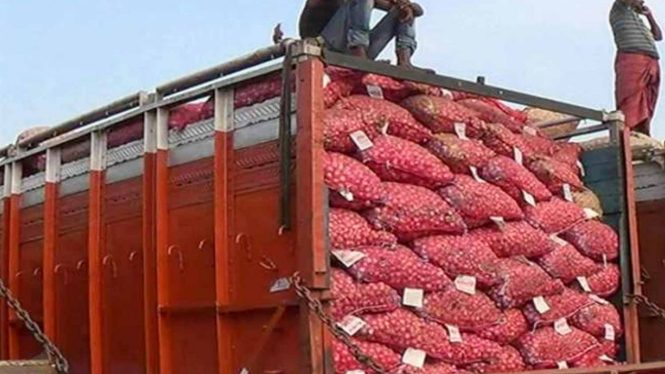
[(202, 249)]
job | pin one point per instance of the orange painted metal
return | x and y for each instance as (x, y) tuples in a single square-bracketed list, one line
[(95, 255), (150, 264), (162, 243), (14, 268), (4, 273), (50, 249)]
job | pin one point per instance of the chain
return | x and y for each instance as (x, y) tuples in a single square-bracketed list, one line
[(315, 305), (56, 358), (653, 307)]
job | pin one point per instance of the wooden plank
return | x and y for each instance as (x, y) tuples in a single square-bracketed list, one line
[(53, 160), (14, 259), (96, 251)]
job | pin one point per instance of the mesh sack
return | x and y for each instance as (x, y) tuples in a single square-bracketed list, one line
[(502, 141), (472, 350), (591, 359), (401, 329), (544, 348), (355, 186), (554, 174), (593, 318), (432, 368), (477, 202), (391, 89), (515, 239), (566, 263), (399, 268), (460, 154), (441, 114), (487, 111), (555, 216), (398, 160), (459, 255), (348, 230), (512, 326), (388, 117), (336, 90), (257, 92), (568, 153), (508, 360), (588, 199), (349, 297), (539, 144), (606, 282), (594, 239), (412, 212), (346, 362), (338, 125), (564, 305), (609, 348), (522, 281), (537, 115), (467, 312), (514, 179), (416, 88)]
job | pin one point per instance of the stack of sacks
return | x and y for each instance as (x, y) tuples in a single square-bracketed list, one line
[(459, 244)]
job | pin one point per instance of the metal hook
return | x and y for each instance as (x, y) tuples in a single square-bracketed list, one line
[(132, 256), (57, 268), (18, 274), (202, 244), (281, 230), (268, 264), (114, 267), (36, 272), (248, 247), (80, 264), (181, 258)]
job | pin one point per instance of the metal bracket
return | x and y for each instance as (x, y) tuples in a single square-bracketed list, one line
[(616, 116), (306, 48)]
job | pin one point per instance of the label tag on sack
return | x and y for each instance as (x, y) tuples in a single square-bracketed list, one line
[(528, 198), (361, 140), (519, 157), (413, 297), (590, 213), (561, 327), (580, 166), (476, 176), (568, 193), (584, 283), (598, 299), (529, 130), (348, 258), (560, 242), (604, 260), (347, 195), (414, 357), (499, 221), (466, 284), (375, 92), (446, 93), (562, 365), (610, 334), (606, 358), (282, 284), (454, 334), (326, 80), (244, 371), (351, 325), (541, 305), (384, 128), (460, 130), (355, 372)]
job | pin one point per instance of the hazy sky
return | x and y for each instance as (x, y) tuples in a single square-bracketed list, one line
[(60, 58)]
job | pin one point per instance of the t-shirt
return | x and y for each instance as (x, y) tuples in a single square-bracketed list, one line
[(631, 34), (316, 15)]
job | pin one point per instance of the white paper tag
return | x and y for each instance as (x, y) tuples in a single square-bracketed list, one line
[(375, 92), (606, 358), (466, 284), (476, 176), (584, 283), (454, 334), (562, 365), (568, 193), (599, 300), (414, 357), (413, 297), (460, 130), (580, 166), (499, 221), (560, 242), (348, 258), (361, 140), (528, 198), (347, 195), (355, 372), (610, 334), (351, 325), (384, 128), (541, 305), (326, 82), (561, 327), (529, 130), (519, 157), (244, 371), (282, 284), (590, 213), (604, 260), (446, 93)]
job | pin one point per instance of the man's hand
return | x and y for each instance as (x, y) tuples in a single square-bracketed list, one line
[(407, 11)]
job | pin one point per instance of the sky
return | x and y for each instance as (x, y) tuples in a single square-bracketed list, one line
[(61, 58)]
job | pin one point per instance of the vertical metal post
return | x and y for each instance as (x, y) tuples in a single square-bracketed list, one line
[(4, 260), (14, 256), (162, 225), (149, 246), (223, 161), (53, 163), (96, 250)]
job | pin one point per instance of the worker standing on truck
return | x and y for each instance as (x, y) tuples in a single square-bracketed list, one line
[(344, 25), (637, 62)]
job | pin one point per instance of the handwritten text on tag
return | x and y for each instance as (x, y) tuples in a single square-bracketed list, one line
[(561, 327), (361, 140), (466, 284), (454, 334), (351, 325), (375, 92)]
